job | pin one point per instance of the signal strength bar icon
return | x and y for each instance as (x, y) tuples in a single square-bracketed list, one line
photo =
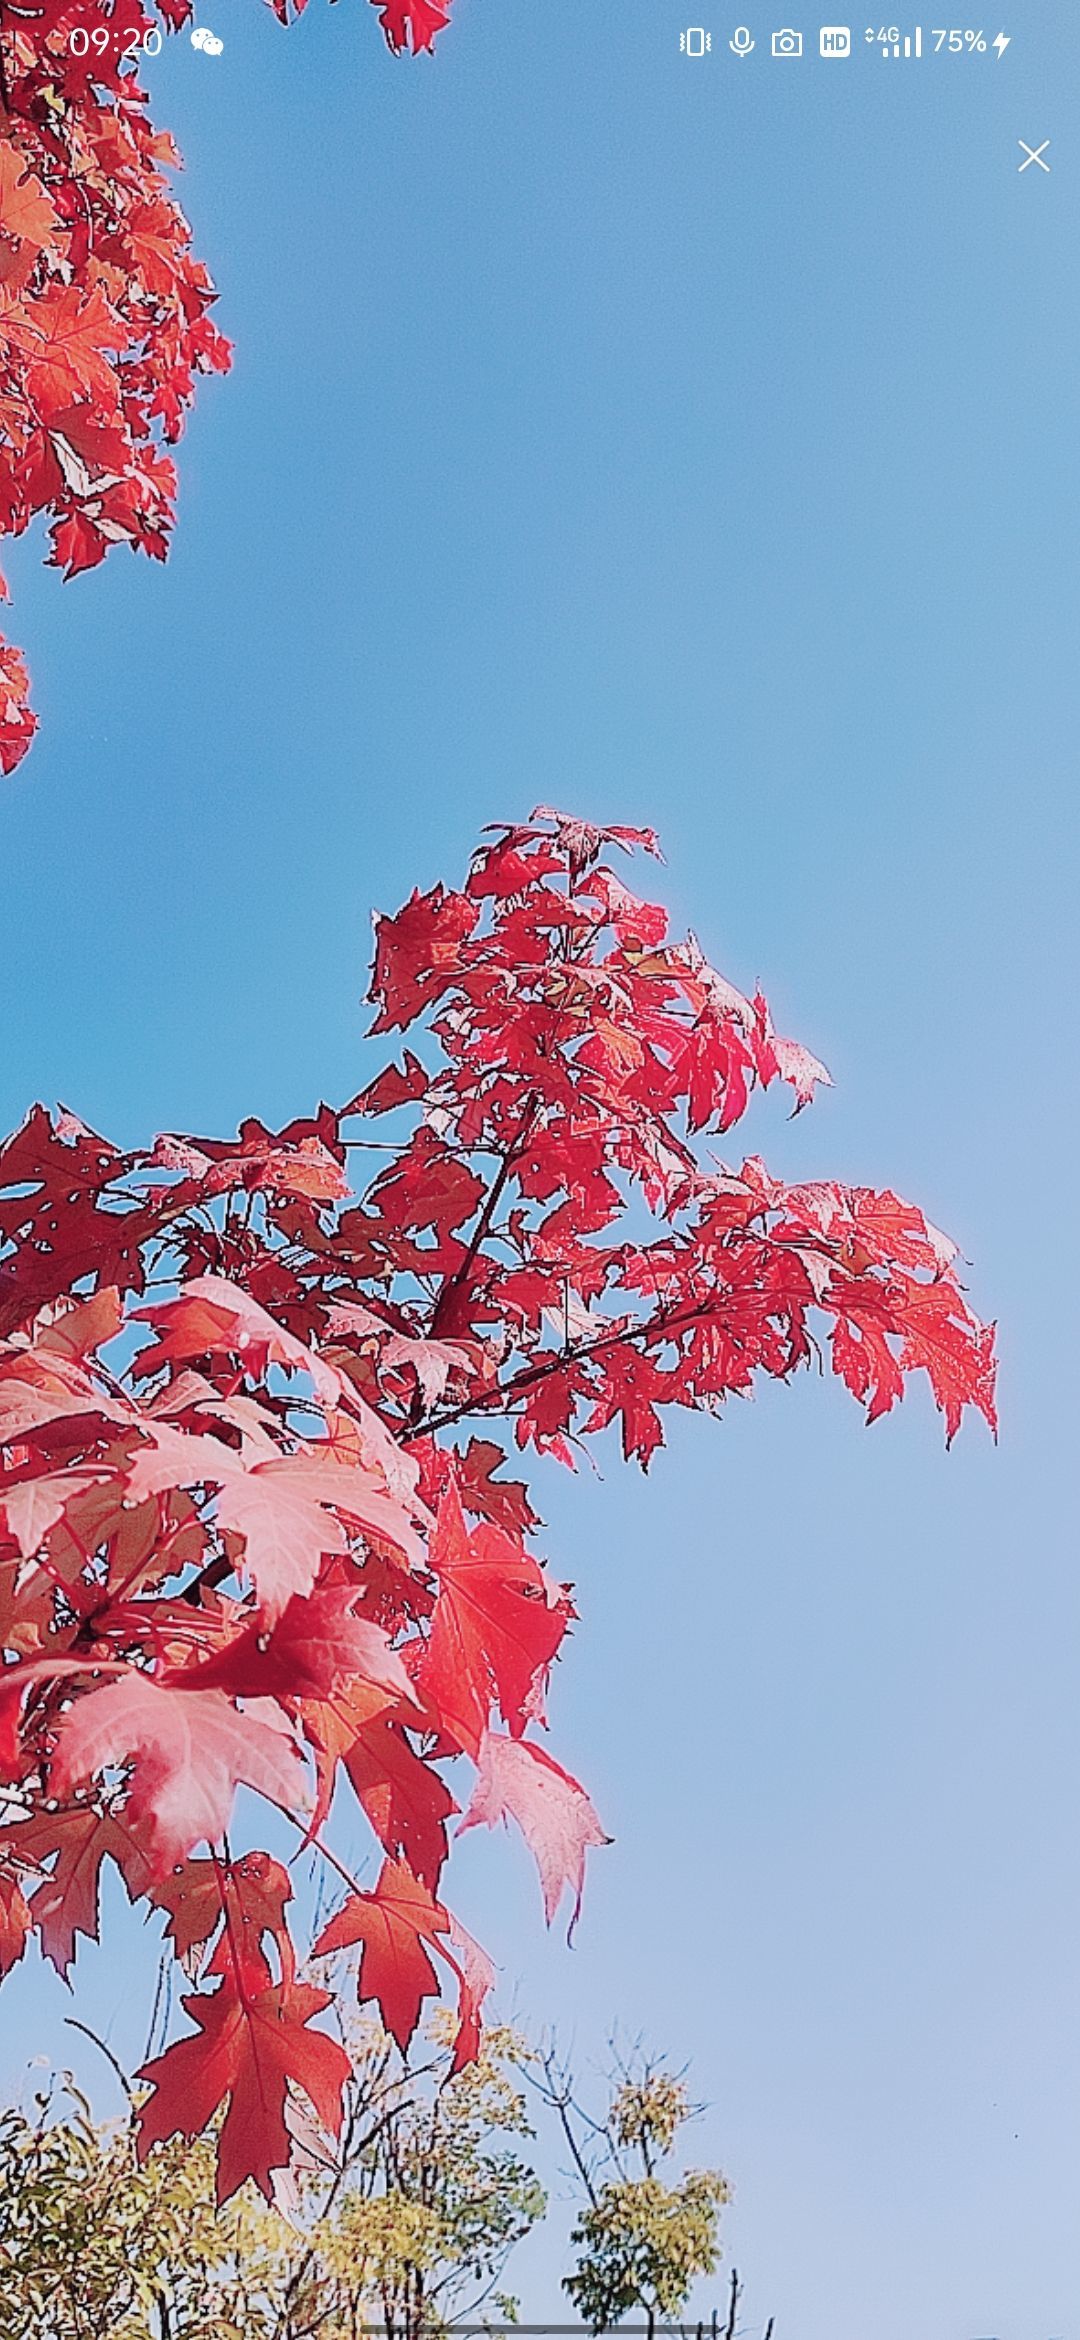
[(909, 45)]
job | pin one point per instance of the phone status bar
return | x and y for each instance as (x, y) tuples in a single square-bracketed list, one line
[(836, 43)]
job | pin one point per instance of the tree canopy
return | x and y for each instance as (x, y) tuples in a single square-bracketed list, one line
[(644, 2234), (413, 2215), (256, 1527)]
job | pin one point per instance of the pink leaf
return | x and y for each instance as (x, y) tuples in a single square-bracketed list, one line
[(517, 1781), (190, 1751)]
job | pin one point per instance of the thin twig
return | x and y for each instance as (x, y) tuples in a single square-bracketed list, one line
[(733, 2302), (163, 1964), (74, 2024), (558, 2095)]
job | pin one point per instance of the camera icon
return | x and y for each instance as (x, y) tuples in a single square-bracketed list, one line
[(787, 43)]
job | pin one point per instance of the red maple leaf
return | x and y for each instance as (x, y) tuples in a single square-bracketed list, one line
[(398, 1085), (88, 1326), (861, 1353), (940, 1334), (65, 1901), (248, 2048), (333, 1724), (397, 1925), (65, 346), (316, 1644), (18, 723), (306, 1168), (406, 1800), (77, 544), (189, 1751), (504, 1501), (416, 954), (26, 212), (32, 1506), (477, 1978), (15, 1922), (246, 1899), (276, 1507), (411, 23), (495, 1628)]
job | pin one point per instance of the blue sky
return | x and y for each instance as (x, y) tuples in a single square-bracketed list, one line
[(691, 442)]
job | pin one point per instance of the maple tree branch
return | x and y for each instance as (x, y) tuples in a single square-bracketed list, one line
[(488, 1401), (490, 1206), (661, 1324)]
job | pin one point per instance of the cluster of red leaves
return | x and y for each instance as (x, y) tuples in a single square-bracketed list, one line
[(104, 320), (253, 1533), (103, 308), (408, 25)]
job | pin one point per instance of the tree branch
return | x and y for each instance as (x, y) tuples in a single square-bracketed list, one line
[(495, 1399), (733, 2302), (490, 1206), (74, 2024)]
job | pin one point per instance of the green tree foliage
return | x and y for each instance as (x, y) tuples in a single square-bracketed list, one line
[(641, 2239), (414, 2218), (441, 2194)]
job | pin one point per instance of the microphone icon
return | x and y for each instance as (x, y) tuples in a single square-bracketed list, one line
[(743, 41)]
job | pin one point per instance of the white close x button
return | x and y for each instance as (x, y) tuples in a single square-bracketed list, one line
[(1034, 154)]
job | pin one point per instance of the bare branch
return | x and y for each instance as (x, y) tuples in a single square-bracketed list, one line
[(74, 2024)]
